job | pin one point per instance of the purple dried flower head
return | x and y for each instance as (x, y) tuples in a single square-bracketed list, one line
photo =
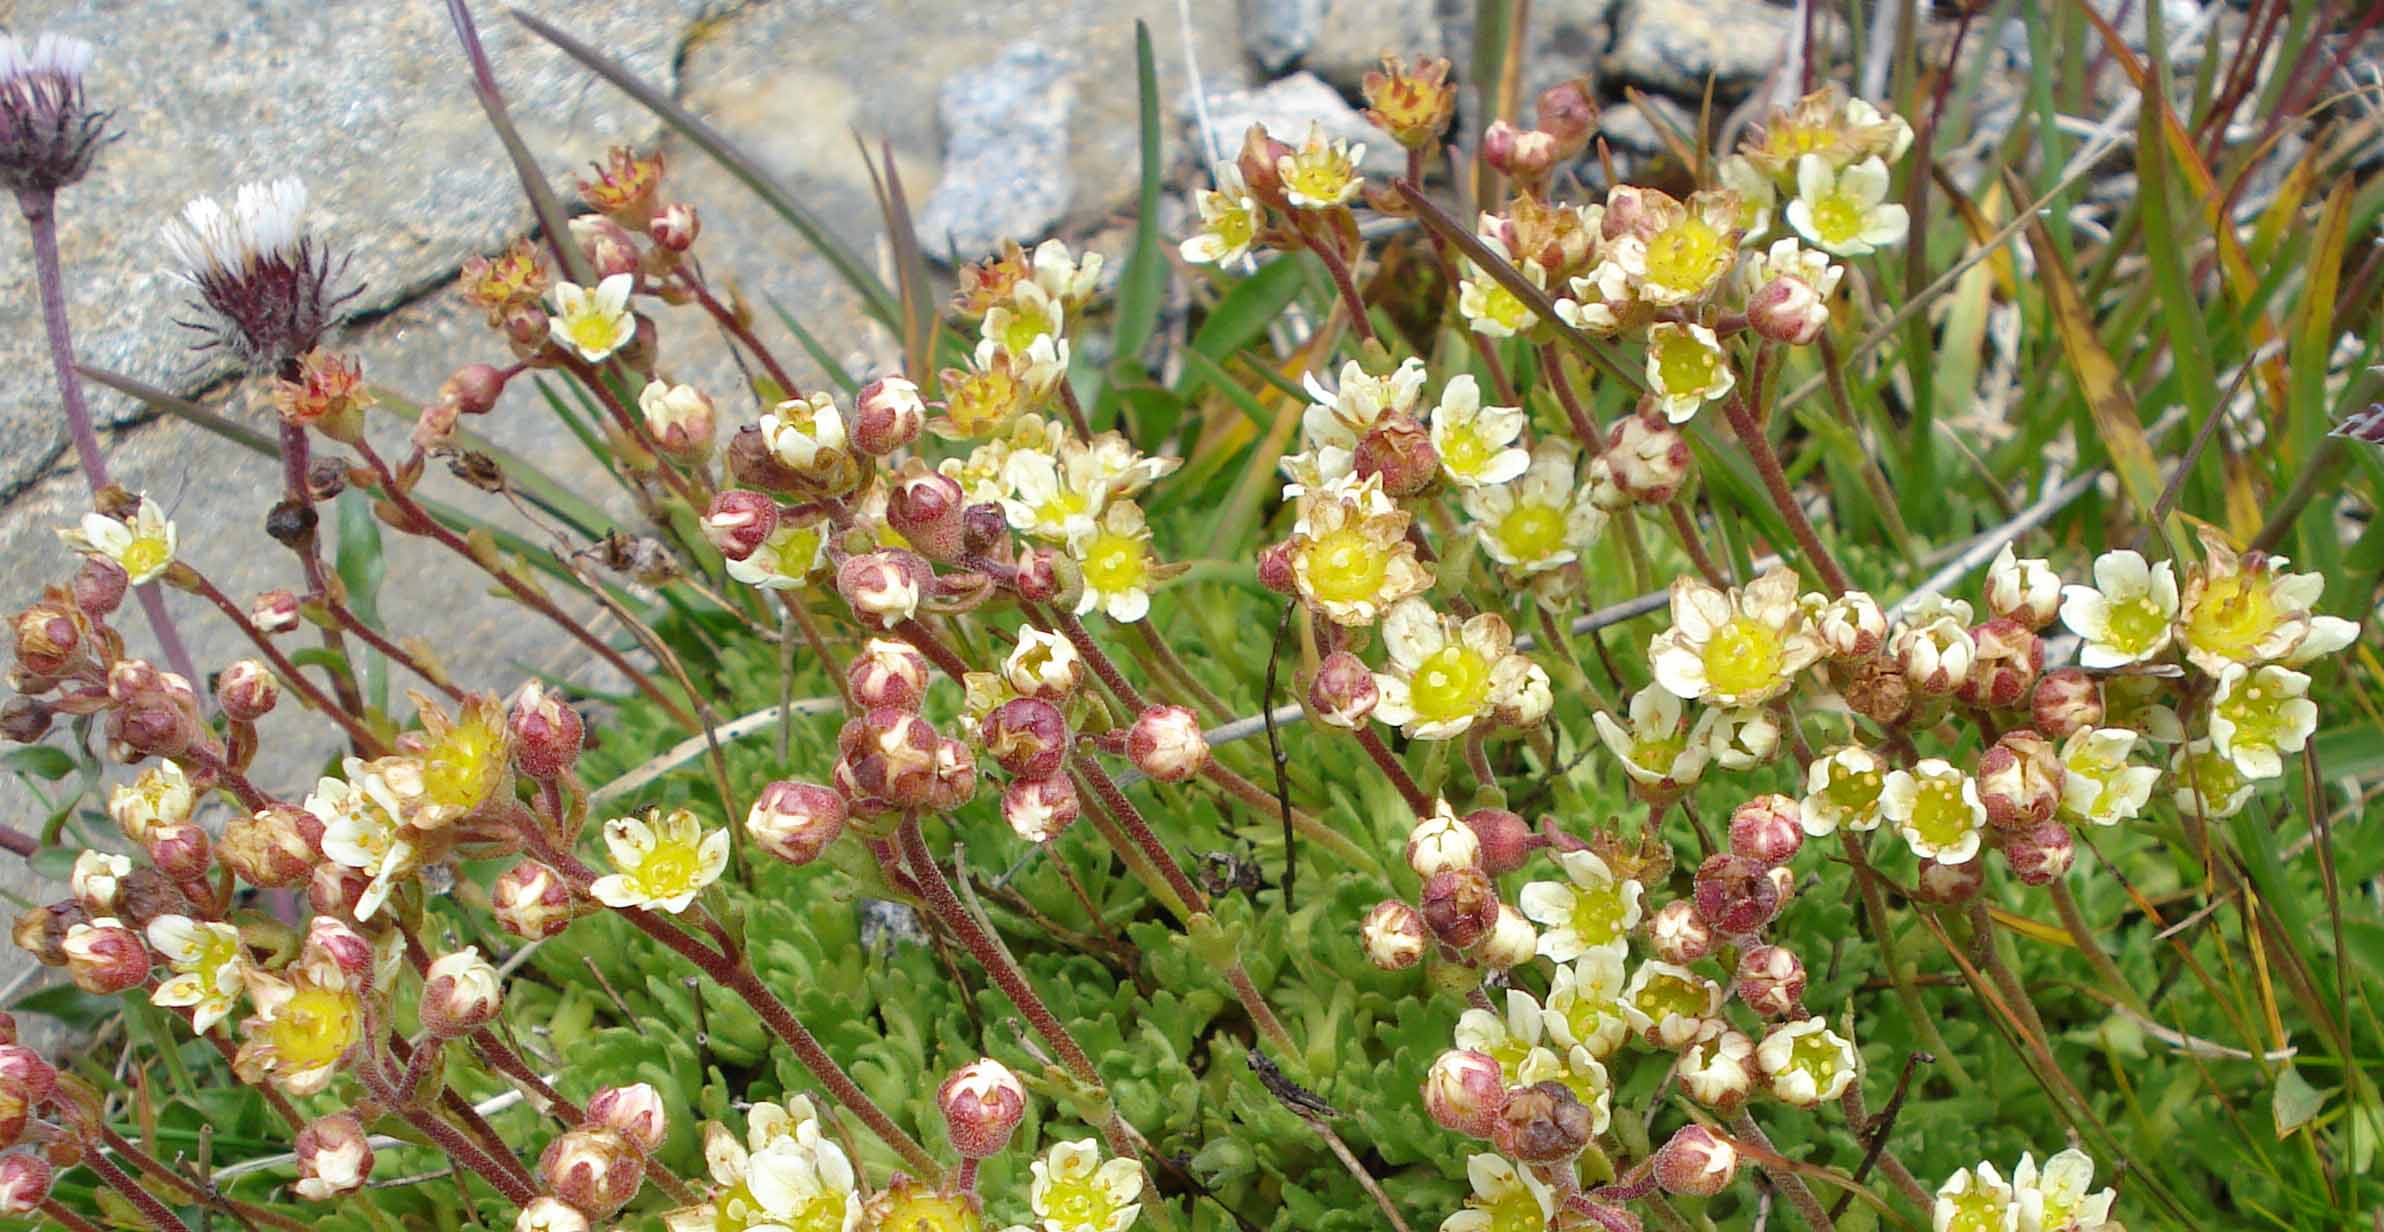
[(266, 284), (48, 135)]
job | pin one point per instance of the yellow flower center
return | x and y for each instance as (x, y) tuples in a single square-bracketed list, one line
[(315, 1027), (1080, 1202), (2134, 625), (824, 1213), (2257, 711), (930, 1212), (461, 769), (1320, 176), (1788, 142), (1688, 255), (1509, 1051), (1685, 364), (592, 331), (1815, 1057), (1513, 1210), (1742, 658), (217, 951), (1346, 566), (1583, 1017), (2212, 775), (1978, 1210), (1854, 792), (1463, 451), (1666, 995), (145, 556), (735, 1209), (2231, 617), (672, 868), (1597, 914), (1939, 814), (1026, 324), (1658, 753), (1452, 682), (1233, 226), (982, 402), (1500, 305), (1837, 218), (1064, 504), (1115, 563), (1532, 532)]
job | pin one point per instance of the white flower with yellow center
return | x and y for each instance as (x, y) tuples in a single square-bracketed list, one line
[(1117, 564), (2128, 616), (1350, 556), (143, 547), (594, 323), (2260, 714), (1738, 647), (1030, 322), (210, 967), (1584, 1007), (1604, 297), (1580, 1072), (1446, 673), (807, 434), (2204, 782), (1718, 1069), (1975, 1200), (2327, 635), (1541, 521), (306, 1020), (1111, 463), (1686, 368), (1757, 196), (2057, 1199), (1741, 738), (1338, 418), (790, 555), (1659, 751), (1229, 221), (1476, 443), (1806, 1063), (1488, 306), (782, 1175), (2243, 608), (1847, 212), (1049, 501), (1067, 277), (1590, 909), (1936, 808), (2097, 782), (1869, 128), (1321, 173), (1506, 1039), (1504, 1199), (364, 828), (660, 862), (1074, 1190), (1687, 245), (161, 796), (1842, 790), (1672, 1006)]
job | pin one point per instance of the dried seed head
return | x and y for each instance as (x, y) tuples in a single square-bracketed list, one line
[(796, 821), (265, 284), (1543, 1123), (982, 1103), (1394, 935), (1735, 895), (267, 849), (1460, 905)]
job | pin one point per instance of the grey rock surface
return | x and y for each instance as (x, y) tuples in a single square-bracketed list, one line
[(1355, 35), (1277, 33), (1287, 107), (1006, 172), (1675, 45)]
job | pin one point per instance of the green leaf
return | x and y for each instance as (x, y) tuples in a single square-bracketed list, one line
[(2294, 1102), (360, 570), (68, 1004), (1242, 317), (1144, 280), (54, 863), (41, 761)]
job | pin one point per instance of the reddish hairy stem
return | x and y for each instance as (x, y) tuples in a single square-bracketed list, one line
[(17, 842), (1585, 427), (310, 692), (1690, 541), (741, 332), (159, 1215), (152, 1166), (296, 450), (274, 1099), (66, 1219), (1775, 480), (1103, 666), (1371, 741)]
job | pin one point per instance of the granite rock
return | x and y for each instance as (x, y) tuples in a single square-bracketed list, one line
[(1287, 107), (1006, 173), (1675, 45)]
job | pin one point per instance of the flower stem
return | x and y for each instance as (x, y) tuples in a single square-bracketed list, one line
[(157, 1213), (1585, 427), (1384, 760), (149, 1165), (41, 218), (1342, 281), (741, 332), (1883, 935), (296, 451), (1775, 480), (310, 692), (67, 1219), (1693, 543), (1782, 1178)]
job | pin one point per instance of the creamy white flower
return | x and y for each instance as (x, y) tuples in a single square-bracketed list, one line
[(1476, 443), (2057, 1199), (2260, 714), (1117, 564), (1338, 418), (210, 967), (660, 862), (143, 547), (1590, 909), (1488, 306), (2128, 616), (594, 323), (1049, 501), (95, 877), (1936, 808), (1507, 1038), (1229, 220), (363, 828), (1075, 1191), (1756, 196), (1975, 1200), (1504, 1199), (1719, 1069), (2097, 783), (1738, 647), (1743, 738), (2327, 635), (791, 554), (1671, 1005), (1806, 1063), (1445, 674), (1845, 212), (1658, 750), (1602, 296), (1584, 1007), (2026, 590), (1321, 173), (1686, 369), (2205, 783), (1842, 789), (1541, 521), (805, 433)]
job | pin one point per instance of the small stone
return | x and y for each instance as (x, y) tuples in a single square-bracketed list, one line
[(1287, 107), (1355, 35), (1675, 45), (1638, 127), (1005, 154), (1277, 33), (885, 925)]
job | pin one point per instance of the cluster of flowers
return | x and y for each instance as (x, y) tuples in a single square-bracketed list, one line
[(2054, 1199)]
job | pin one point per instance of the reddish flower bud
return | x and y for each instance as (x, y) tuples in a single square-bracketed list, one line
[(2019, 780), (1696, 1162), (31, 1074), (145, 894), (2042, 853), (2067, 701), (675, 227), (1167, 744), (104, 957), (888, 674), (1568, 115), (25, 720), (533, 901), (1394, 935), (1525, 155), (887, 415), (1544, 1123), (331, 940), (268, 849), (681, 419), (982, 1103), (796, 821), (547, 733), (2009, 658), (41, 931), (882, 587), (635, 1111), (739, 521), (475, 388), (1041, 576), (1344, 692), (1463, 1092), (1259, 157), (24, 1183), (1735, 895), (99, 585), (1038, 810), (925, 508), (595, 1169), (1949, 884), (275, 611), (955, 781), (1399, 452), (460, 994), (1771, 980), (48, 634), (1648, 457), (334, 1157), (887, 762), (181, 851), (1506, 839), (1275, 571), (1767, 830), (607, 245), (247, 690), (1026, 736), (1678, 934), (1460, 905)]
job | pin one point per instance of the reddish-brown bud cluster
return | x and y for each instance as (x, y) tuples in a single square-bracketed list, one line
[(1735, 895)]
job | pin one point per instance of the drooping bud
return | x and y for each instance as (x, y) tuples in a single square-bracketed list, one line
[(24, 1183), (881, 587), (1506, 839), (2019, 780), (532, 901), (334, 1157), (680, 417), (475, 388), (104, 957), (636, 1112), (1260, 155), (1767, 830), (796, 821), (1695, 1162), (547, 733), (1463, 1092), (887, 415), (1344, 692), (1393, 935), (460, 994), (1510, 943), (2026, 591), (1441, 842), (1043, 664), (99, 586), (2042, 853), (595, 1169), (267, 849), (1543, 1123), (889, 674), (1460, 905), (2067, 701), (739, 521), (1877, 690), (275, 611), (28, 1072), (1276, 571), (982, 1103), (1167, 744), (1038, 810), (1771, 980), (2009, 658), (606, 244), (1735, 895), (182, 852), (247, 690), (1399, 452), (925, 508), (1678, 934)]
